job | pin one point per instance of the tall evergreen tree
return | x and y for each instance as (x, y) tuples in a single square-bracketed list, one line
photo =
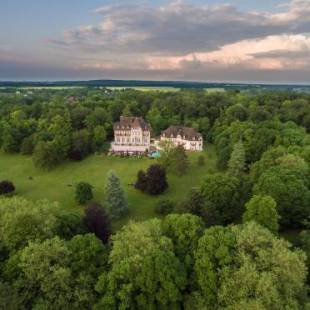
[(236, 164), (115, 198)]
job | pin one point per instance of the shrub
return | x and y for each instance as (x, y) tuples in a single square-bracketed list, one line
[(6, 187), (201, 161), (164, 207), (83, 192)]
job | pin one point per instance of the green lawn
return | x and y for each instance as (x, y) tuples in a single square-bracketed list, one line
[(56, 185), (146, 88), (50, 87)]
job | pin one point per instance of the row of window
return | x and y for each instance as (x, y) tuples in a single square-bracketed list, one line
[(128, 140)]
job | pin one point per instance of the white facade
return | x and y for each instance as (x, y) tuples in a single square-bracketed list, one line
[(131, 135), (189, 138), (187, 144)]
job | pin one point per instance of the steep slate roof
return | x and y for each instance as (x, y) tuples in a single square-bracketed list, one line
[(131, 122), (186, 133)]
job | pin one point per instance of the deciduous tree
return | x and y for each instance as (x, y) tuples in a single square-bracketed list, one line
[(145, 272), (262, 210), (221, 196), (83, 192), (97, 221)]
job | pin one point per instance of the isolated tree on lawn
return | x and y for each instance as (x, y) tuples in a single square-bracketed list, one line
[(6, 187), (97, 222), (45, 155), (167, 149), (236, 164), (115, 199), (156, 180), (141, 183), (262, 210), (180, 161), (83, 192)]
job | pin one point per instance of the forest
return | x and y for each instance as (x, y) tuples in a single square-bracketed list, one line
[(230, 228)]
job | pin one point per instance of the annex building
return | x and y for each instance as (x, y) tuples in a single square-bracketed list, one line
[(188, 137)]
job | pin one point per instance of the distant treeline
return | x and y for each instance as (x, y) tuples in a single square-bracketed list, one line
[(175, 84)]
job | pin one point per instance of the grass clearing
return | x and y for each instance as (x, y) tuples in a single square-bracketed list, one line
[(59, 184), (145, 88), (49, 87)]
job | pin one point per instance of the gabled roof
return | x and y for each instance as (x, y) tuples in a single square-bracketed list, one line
[(131, 122), (186, 133)]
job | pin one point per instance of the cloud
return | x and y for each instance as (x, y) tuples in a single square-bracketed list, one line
[(270, 53), (179, 28), (179, 40)]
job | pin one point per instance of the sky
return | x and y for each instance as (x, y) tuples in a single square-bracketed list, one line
[(265, 41)]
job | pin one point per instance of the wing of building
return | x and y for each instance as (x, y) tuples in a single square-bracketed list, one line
[(188, 137), (132, 135)]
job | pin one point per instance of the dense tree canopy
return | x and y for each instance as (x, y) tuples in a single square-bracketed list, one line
[(221, 199), (243, 265), (145, 271), (290, 193), (198, 257)]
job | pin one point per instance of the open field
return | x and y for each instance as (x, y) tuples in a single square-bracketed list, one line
[(56, 185), (215, 90), (50, 87), (145, 88), (43, 87)]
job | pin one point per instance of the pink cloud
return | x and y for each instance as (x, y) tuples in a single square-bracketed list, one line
[(242, 52)]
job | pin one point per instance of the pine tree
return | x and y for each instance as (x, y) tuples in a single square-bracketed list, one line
[(115, 199), (236, 164)]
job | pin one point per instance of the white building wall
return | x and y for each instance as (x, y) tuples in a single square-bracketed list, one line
[(196, 145), (132, 140)]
